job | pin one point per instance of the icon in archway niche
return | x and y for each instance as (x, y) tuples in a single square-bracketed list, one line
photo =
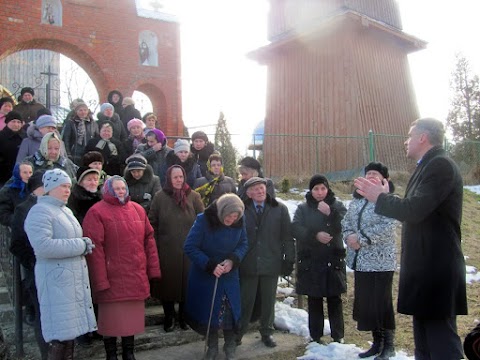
[(148, 52), (52, 12)]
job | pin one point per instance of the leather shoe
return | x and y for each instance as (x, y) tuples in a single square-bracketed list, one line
[(169, 325), (268, 341)]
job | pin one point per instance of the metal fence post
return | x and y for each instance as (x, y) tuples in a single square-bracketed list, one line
[(371, 145)]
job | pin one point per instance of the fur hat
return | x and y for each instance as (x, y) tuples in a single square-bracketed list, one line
[(128, 101), (3, 100), (254, 181), (318, 179), (13, 115), (199, 135), (229, 203), (84, 171), (159, 135), (54, 178), (106, 106), (35, 181), (43, 111), (181, 145), (136, 162), (134, 122), (27, 90), (250, 162), (92, 156), (378, 166), (45, 120)]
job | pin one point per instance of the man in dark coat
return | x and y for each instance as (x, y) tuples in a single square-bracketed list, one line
[(271, 252), (10, 139), (432, 284), (28, 107)]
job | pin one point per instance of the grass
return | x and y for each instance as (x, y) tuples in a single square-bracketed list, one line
[(404, 333)]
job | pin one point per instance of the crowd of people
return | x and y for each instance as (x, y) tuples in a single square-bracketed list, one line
[(105, 215)]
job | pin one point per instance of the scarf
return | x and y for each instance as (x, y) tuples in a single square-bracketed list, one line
[(81, 131), (207, 189), (178, 195), (17, 182), (111, 146)]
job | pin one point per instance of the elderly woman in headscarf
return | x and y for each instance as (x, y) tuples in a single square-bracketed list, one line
[(124, 262), (172, 213), (50, 156), (214, 184), (371, 253), (216, 244)]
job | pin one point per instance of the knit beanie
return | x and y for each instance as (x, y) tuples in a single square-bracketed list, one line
[(13, 115), (84, 171), (181, 145), (318, 179), (43, 111), (35, 180), (75, 102), (250, 162), (45, 120), (378, 166), (80, 104), (92, 156), (199, 135), (134, 122), (27, 90), (229, 203), (106, 106), (54, 178), (128, 101), (159, 135), (136, 162)]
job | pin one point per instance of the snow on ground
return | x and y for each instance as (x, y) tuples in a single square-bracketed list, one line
[(296, 320)]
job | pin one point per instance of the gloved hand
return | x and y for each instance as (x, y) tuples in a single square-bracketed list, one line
[(287, 267), (89, 246)]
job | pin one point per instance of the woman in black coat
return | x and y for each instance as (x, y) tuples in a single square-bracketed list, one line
[(321, 268), (85, 192), (11, 137)]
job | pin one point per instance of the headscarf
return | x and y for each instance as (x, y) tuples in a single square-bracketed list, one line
[(108, 187), (44, 146), (179, 196), (17, 182), (207, 189)]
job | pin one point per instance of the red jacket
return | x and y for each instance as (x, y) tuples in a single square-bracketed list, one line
[(125, 255)]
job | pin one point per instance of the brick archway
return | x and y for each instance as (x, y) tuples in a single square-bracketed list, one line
[(103, 38)]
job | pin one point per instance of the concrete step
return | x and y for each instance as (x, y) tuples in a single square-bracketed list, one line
[(4, 296)]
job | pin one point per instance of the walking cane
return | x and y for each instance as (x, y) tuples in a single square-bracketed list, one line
[(210, 318)]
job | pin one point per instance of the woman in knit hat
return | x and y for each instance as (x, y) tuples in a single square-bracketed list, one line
[(49, 156), (182, 156), (172, 213), (125, 260), (107, 113), (6, 105), (321, 269), (216, 244), (141, 181), (11, 138), (136, 136), (35, 133), (61, 272), (155, 151), (78, 131), (85, 192), (201, 149), (94, 160), (371, 253), (214, 184)]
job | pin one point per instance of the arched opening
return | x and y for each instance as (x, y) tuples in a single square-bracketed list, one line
[(142, 102)]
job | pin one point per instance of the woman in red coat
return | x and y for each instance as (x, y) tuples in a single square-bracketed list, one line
[(126, 259)]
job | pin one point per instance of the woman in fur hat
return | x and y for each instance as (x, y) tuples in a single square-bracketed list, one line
[(182, 156), (321, 269), (371, 252)]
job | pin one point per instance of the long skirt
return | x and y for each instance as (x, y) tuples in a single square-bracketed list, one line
[(373, 304), (123, 318)]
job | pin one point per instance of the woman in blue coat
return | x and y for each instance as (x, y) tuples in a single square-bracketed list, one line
[(215, 245)]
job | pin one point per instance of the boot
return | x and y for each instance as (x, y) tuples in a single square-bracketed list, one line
[(212, 343), (230, 344), (388, 350), (128, 345), (181, 316), (169, 311), (69, 349), (377, 345), (110, 344), (56, 350)]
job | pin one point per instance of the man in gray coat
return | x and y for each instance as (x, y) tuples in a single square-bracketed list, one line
[(271, 252), (432, 284)]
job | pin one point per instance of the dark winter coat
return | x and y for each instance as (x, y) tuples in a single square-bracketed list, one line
[(143, 190), (192, 169), (320, 267), (81, 200), (9, 199), (432, 273), (242, 194), (270, 239), (208, 243), (30, 144), (9, 145), (156, 159), (201, 156), (125, 257), (128, 146), (118, 105), (172, 225), (74, 150), (119, 131), (224, 185), (28, 110), (63, 163), (113, 163), (129, 112)]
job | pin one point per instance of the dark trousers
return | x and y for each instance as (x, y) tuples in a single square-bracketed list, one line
[(316, 317), (437, 339), (263, 289)]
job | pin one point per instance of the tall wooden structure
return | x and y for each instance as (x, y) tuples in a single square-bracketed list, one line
[(335, 68)]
